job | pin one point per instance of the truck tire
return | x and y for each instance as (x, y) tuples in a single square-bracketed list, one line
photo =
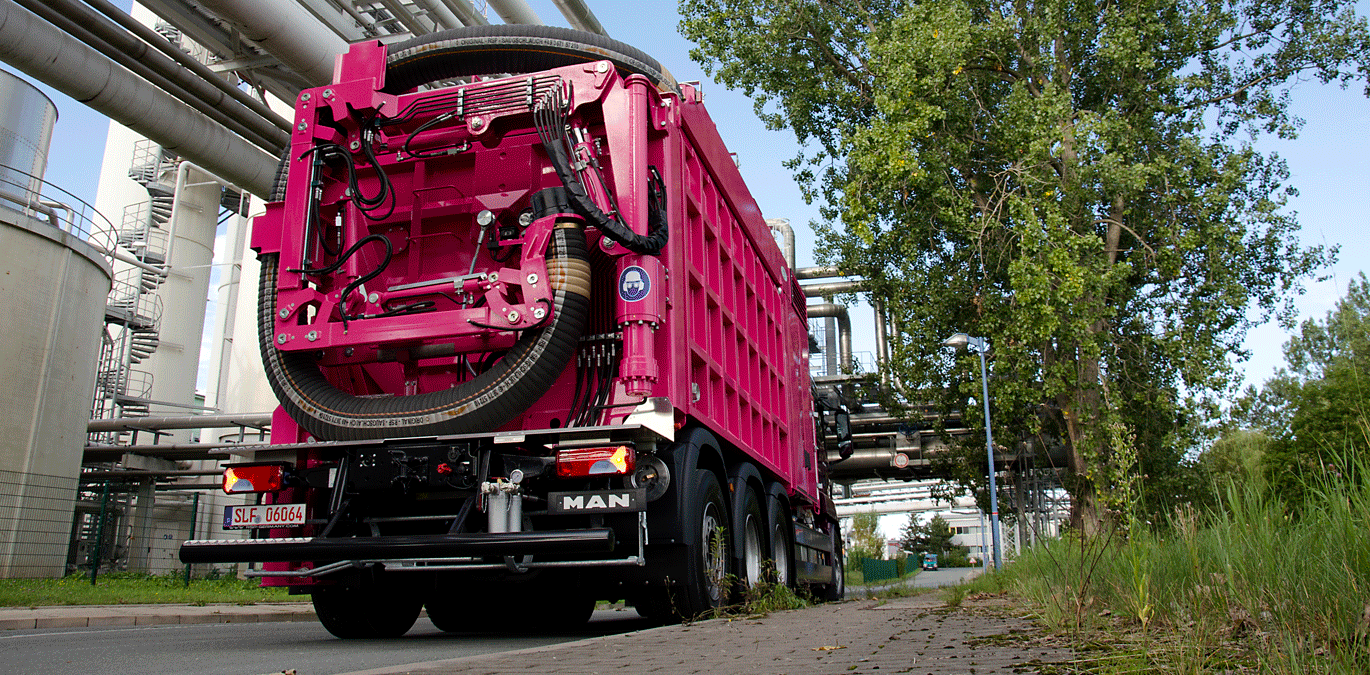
[(510, 48), (462, 611), (513, 607), (708, 547), (368, 611), (753, 542), (837, 589), (782, 536)]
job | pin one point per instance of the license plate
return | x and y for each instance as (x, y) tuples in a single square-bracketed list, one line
[(264, 515)]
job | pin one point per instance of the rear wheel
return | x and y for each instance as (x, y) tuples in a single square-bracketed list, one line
[(782, 541), (709, 547), (754, 546), (546, 603), (462, 611), (366, 611), (838, 588)]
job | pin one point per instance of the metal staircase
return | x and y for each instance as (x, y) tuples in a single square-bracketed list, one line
[(133, 311)]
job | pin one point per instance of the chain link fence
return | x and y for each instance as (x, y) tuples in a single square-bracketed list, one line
[(52, 526)]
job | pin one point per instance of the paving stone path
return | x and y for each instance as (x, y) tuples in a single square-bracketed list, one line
[(918, 635)]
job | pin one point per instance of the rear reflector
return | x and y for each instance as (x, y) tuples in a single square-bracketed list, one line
[(254, 478), (573, 462)]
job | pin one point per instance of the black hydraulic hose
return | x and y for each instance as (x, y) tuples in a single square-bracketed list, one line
[(612, 227), (320, 271)]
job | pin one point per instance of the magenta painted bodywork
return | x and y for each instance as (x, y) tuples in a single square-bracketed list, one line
[(715, 323)]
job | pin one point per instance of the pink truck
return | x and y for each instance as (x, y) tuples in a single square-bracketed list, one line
[(533, 344)]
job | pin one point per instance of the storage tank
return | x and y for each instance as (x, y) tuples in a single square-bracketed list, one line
[(53, 285), (26, 120)]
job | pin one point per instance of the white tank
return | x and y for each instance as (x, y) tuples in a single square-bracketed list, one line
[(26, 120), (52, 296)]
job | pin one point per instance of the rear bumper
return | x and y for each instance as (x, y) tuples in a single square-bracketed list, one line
[(562, 542)]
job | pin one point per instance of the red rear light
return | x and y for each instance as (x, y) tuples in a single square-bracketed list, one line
[(573, 462), (254, 478)]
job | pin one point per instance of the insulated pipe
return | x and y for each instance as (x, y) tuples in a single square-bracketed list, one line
[(822, 272), (286, 31), (882, 344), (516, 11), (254, 420), (230, 283), (833, 288), (441, 15), (782, 225), (465, 12), (406, 17), (155, 39), (580, 17), (82, 22), (46, 53), (341, 18), (838, 312)]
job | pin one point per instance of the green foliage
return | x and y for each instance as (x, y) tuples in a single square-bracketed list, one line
[(767, 596), (1074, 182), (127, 588), (1246, 586), (866, 540), (956, 556), (934, 536), (1236, 458), (1318, 409)]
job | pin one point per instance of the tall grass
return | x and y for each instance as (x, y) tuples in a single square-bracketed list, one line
[(1249, 584), (131, 588)]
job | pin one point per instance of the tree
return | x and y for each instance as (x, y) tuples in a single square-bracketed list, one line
[(1317, 410), (866, 540), (1074, 181), (1236, 457), (933, 536)]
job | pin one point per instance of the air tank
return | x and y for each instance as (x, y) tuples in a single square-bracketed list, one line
[(53, 284)]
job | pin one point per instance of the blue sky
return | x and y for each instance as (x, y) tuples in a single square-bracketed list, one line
[(1329, 162)]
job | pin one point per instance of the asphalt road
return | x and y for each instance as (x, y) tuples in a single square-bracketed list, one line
[(257, 648), (947, 576)]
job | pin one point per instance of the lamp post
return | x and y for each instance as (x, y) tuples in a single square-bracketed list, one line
[(979, 345)]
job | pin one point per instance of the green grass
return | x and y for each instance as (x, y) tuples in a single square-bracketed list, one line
[(123, 588), (1250, 586)]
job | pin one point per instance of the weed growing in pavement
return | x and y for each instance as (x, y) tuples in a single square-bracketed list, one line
[(1249, 587), (768, 596)]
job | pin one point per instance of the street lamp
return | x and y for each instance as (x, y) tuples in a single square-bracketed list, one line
[(979, 345)]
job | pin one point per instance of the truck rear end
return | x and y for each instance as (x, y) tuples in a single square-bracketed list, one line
[(534, 346)]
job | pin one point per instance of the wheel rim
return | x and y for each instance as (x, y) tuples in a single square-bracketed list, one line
[(715, 552), (780, 552), (751, 550)]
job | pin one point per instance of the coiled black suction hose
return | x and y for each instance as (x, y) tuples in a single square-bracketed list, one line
[(483, 403)]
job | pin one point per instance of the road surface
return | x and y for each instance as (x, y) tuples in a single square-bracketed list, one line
[(256, 648)]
